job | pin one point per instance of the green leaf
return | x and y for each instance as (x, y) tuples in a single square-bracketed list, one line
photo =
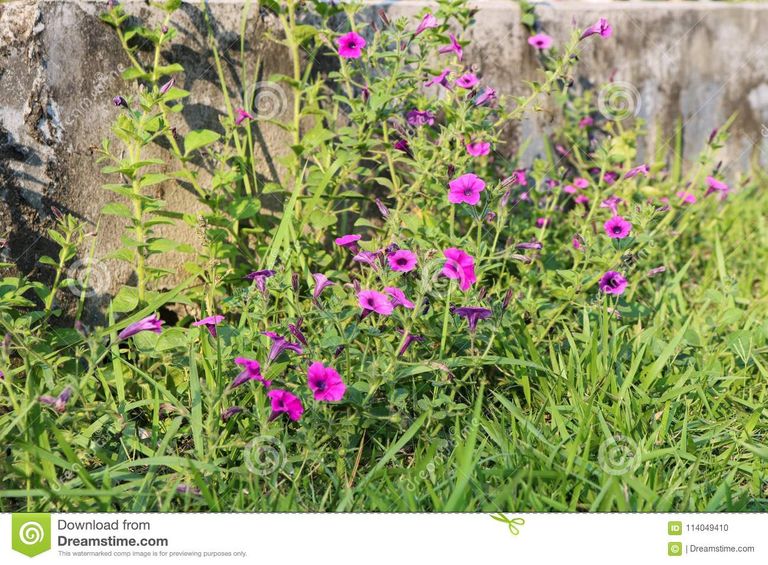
[(126, 299), (199, 138)]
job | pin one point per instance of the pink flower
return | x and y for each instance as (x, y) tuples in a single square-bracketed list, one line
[(210, 323), (640, 169), (441, 79), (686, 197), (570, 189), (283, 401), (251, 372), (398, 298), (487, 96), (321, 282), (151, 323), (466, 188), (260, 277), (167, 86), (420, 118), (478, 148), (407, 341), (610, 177), (242, 115), (467, 81), (543, 222), (612, 203), (427, 22), (348, 241), (581, 199), (280, 344), (580, 182), (715, 185), (367, 257), (617, 227), (58, 403), (473, 314), (576, 243), (452, 47), (459, 265), (373, 301), (601, 26), (540, 41), (520, 177), (350, 45), (402, 145), (325, 382), (612, 283), (402, 260), (586, 121)]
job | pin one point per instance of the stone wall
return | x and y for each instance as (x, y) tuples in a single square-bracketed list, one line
[(60, 66)]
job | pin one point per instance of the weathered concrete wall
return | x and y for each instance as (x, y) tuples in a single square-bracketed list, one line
[(59, 69)]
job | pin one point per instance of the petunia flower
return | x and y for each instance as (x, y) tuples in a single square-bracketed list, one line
[(367, 257), (284, 402), (686, 197), (229, 412), (186, 489), (383, 210), (610, 177), (167, 86), (420, 117), (242, 115), (349, 241), (488, 96), (350, 45), (459, 265), (520, 177), (586, 121), (715, 185), (617, 227), (452, 47), (151, 323), (260, 278), (581, 199), (612, 283), (612, 203), (533, 244), (570, 189), (540, 41), (402, 145), (280, 344), (58, 403), (466, 188), (543, 222), (634, 171), (398, 298), (251, 372), (656, 271), (325, 383), (210, 323), (580, 182), (441, 79), (601, 27), (467, 81), (119, 101), (576, 242), (402, 260), (427, 22), (478, 148), (321, 282), (408, 339), (473, 314), (373, 301), (295, 330)]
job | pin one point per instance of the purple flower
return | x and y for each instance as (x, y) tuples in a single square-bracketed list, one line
[(459, 265), (601, 26), (420, 117), (402, 145), (466, 188), (280, 344), (441, 79), (321, 282), (382, 208), (58, 403), (581, 199), (367, 257), (612, 283), (373, 301), (617, 227), (543, 222), (473, 314), (520, 177), (402, 260), (186, 489), (467, 81), (586, 121), (325, 383), (427, 22), (295, 330), (612, 203), (686, 197), (398, 298), (452, 47), (408, 339), (229, 412), (348, 241), (119, 101), (478, 148), (260, 277), (610, 177), (540, 41), (210, 323), (167, 86), (350, 45), (151, 323), (242, 115), (487, 96), (251, 372), (533, 244), (715, 185), (656, 271), (640, 169), (580, 182), (283, 401)]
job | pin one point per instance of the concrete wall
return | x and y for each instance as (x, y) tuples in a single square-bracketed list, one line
[(59, 69)]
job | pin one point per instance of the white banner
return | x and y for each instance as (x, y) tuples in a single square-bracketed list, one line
[(384, 538)]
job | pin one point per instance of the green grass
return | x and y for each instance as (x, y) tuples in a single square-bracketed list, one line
[(679, 385)]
